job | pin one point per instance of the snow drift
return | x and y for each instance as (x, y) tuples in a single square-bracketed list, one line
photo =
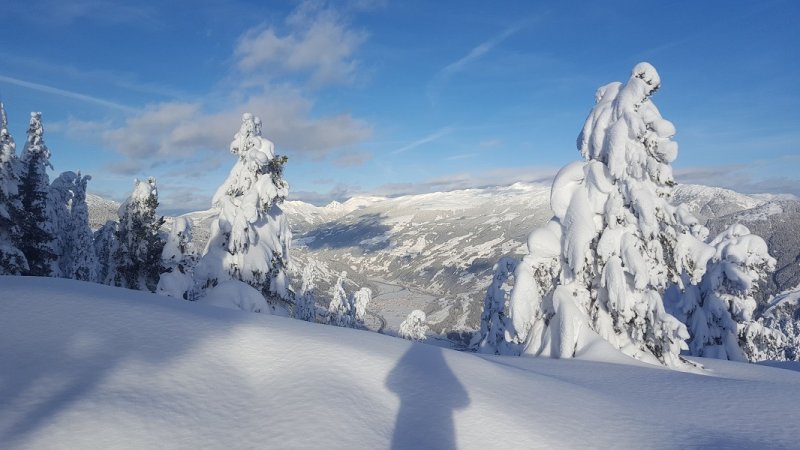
[(91, 366)]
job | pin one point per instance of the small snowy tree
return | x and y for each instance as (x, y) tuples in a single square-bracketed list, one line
[(137, 256), (599, 268), (104, 242), (251, 236), (414, 327), (36, 235), (719, 312), (178, 260), (83, 259), (341, 312), (12, 259), (496, 330), (360, 300), (305, 304)]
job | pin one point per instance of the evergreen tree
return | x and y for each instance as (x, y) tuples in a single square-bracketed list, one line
[(178, 260), (415, 327), (599, 268), (720, 312), (137, 256), (360, 300), (83, 258), (341, 312), (12, 259), (36, 236), (104, 243), (250, 239), (305, 307), (496, 328)]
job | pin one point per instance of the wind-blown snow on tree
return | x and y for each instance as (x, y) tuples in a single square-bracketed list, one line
[(137, 256), (305, 304), (719, 312), (12, 259), (414, 327), (69, 214), (251, 236), (178, 260), (495, 335), (341, 312), (361, 299), (602, 263), (36, 235), (105, 246)]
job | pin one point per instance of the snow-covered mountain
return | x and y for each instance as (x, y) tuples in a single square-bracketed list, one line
[(435, 251), (92, 366), (101, 210)]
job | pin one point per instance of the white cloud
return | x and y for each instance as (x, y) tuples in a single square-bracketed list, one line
[(175, 129), (318, 41)]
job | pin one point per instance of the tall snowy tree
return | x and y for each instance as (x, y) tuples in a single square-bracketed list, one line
[(720, 311), (360, 300), (178, 260), (496, 328), (83, 259), (599, 268), (36, 237), (137, 256), (12, 259), (305, 307), (69, 214), (250, 239), (341, 312), (104, 242)]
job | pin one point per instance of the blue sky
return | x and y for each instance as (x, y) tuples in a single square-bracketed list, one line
[(392, 97)]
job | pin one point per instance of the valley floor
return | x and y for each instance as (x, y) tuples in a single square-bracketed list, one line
[(90, 366)]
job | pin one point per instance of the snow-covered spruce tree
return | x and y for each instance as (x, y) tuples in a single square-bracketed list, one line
[(719, 312), (36, 234), (341, 312), (305, 307), (496, 328), (600, 266), (84, 260), (137, 256), (69, 214), (12, 260), (414, 327), (783, 315), (250, 238), (104, 242), (360, 300), (178, 260)]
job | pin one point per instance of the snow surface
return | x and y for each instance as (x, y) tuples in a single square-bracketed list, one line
[(90, 366)]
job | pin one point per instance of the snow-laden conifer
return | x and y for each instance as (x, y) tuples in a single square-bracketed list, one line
[(720, 311), (305, 303), (69, 214), (341, 312), (137, 255), (602, 263), (360, 300), (36, 235), (414, 327), (178, 260), (250, 238), (496, 331), (12, 259), (104, 242)]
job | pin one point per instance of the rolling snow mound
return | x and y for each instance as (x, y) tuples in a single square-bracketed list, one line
[(90, 366)]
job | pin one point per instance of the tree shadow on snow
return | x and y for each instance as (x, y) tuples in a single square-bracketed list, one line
[(429, 394)]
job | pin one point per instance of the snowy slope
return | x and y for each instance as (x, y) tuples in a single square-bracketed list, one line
[(101, 210), (89, 366)]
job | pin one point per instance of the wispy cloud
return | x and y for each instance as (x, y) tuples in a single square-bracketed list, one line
[(427, 139), (67, 94), (474, 54), (318, 41)]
